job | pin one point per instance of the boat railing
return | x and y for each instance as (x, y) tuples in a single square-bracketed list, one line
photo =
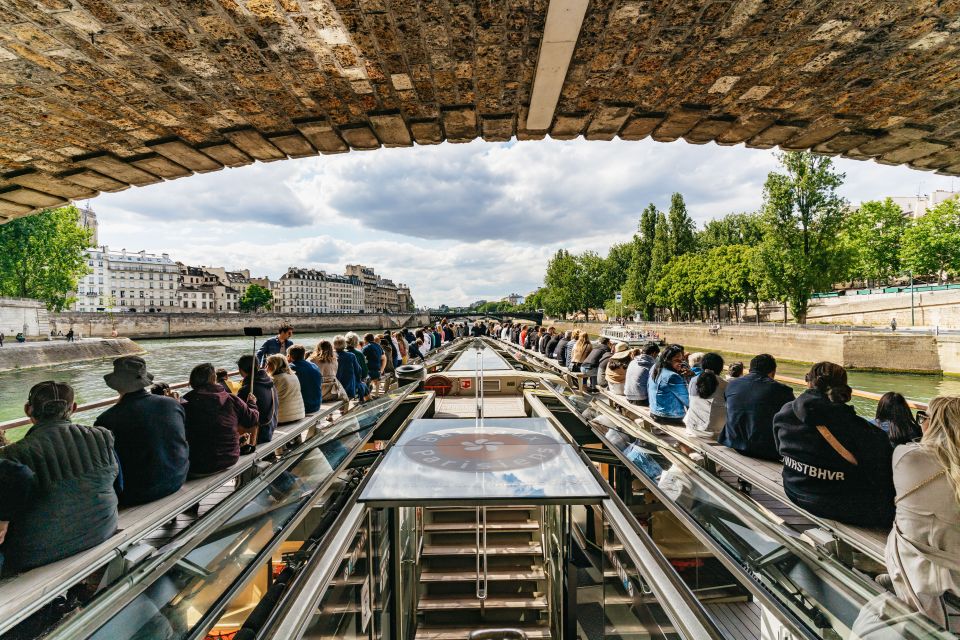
[(298, 468), (24, 594)]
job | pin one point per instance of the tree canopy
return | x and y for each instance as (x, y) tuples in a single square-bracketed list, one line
[(43, 256), (256, 298)]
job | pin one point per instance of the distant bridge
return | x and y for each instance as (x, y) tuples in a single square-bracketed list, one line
[(532, 316)]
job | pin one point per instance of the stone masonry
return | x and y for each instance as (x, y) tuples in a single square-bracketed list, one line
[(99, 95)]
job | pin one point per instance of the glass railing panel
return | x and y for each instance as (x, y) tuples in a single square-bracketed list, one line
[(345, 611), (178, 600), (829, 600), (630, 607)]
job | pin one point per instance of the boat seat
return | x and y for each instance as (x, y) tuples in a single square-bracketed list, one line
[(763, 474), (23, 594)]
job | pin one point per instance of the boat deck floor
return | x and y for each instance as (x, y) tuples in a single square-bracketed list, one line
[(493, 407), (739, 620)]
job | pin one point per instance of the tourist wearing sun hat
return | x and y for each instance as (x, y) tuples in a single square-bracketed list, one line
[(149, 434), (617, 368)]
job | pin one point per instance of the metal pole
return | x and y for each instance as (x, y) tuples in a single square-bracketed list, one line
[(913, 319)]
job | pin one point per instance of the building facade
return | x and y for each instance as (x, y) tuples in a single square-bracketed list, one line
[(916, 206), (203, 290), (313, 291), (126, 281)]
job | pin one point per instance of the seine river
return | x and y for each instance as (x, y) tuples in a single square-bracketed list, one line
[(171, 361)]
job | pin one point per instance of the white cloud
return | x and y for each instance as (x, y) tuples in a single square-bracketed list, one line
[(455, 222)]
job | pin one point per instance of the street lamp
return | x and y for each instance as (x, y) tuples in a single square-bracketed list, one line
[(913, 318)]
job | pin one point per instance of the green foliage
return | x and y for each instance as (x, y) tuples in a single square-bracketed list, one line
[(43, 256), (681, 229), (256, 298), (575, 283), (733, 229), (872, 236), (635, 286), (659, 258), (931, 245), (802, 217)]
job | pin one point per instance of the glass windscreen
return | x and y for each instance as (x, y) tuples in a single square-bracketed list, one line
[(469, 360), (828, 599), (176, 601)]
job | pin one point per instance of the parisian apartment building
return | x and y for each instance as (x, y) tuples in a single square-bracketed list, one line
[(128, 281), (313, 291)]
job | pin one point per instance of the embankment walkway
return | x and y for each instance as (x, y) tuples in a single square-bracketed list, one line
[(26, 355)]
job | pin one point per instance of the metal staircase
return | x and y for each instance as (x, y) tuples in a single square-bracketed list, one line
[(516, 581)]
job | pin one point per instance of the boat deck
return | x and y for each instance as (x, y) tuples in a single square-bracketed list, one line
[(493, 407)]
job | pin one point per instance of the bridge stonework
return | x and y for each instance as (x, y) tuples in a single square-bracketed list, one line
[(99, 95)]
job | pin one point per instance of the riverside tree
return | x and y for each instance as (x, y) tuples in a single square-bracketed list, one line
[(872, 235), (43, 256), (802, 219), (931, 244), (635, 289), (256, 298)]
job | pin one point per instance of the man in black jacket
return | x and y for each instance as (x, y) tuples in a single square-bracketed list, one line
[(148, 432), (752, 401), (265, 394), (591, 364), (553, 342), (560, 349)]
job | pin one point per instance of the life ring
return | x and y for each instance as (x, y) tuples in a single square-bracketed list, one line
[(442, 385)]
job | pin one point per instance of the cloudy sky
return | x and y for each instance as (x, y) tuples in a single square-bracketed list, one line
[(456, 222)]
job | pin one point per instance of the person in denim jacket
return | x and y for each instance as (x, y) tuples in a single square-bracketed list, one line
[(667, 387)]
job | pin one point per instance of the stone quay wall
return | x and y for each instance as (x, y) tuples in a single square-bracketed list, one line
[(186, 325), (23, 315), (876, 351), (46, 354)]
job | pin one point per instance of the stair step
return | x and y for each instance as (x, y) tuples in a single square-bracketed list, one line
[(454, 527), (448, 603), (461, 576), (537, 632), (530, 549)]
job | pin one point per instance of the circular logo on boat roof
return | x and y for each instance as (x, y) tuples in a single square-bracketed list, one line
[(487, 450)]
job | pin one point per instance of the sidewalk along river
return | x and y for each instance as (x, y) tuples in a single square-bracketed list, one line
[(168, 360)]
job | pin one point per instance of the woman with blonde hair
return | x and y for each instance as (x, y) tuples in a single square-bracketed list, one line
[(568, 356), (290, 401), (326, 358), (581, 350), (923, 549)]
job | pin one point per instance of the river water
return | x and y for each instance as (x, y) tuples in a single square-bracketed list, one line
[(168, 360), (172, 360)]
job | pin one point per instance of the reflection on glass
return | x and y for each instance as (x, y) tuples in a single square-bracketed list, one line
[(177, 601), (492, 361), (345, 611), (630, 607), (827, 598), (506, 458)]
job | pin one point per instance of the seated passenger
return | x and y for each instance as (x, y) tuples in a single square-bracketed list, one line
[(638, 374), (148, 434), (289, 401), (923, 549), (752, 401), (214, 421), (835, 464), (695, 360), (309, 376), (555, 338), (328, 361), (348, 373), (353, 346), (617, 368), (581, 349), (708, 408), (74, 503), (560, 349), (735, 370), (223, 379), (265, 393), (896, 419), (666, 387), (17, 483)]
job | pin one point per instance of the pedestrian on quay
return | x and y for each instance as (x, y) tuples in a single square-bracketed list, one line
[(1, 338), (70, 335)]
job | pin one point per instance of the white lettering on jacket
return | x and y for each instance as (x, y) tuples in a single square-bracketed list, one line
[(812, 471)]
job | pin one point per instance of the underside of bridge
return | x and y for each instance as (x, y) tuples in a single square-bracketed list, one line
[(99, 95)]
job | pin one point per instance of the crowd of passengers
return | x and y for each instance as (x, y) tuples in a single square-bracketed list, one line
[(896, 471), (62, 483)]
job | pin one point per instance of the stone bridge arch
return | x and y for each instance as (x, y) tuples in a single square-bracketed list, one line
[(101, 95)]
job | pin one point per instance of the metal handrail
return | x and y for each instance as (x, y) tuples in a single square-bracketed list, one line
[(96, 404)]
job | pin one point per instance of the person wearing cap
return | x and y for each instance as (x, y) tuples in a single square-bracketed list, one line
[(73, 506), (617, 368), (149, 434)]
